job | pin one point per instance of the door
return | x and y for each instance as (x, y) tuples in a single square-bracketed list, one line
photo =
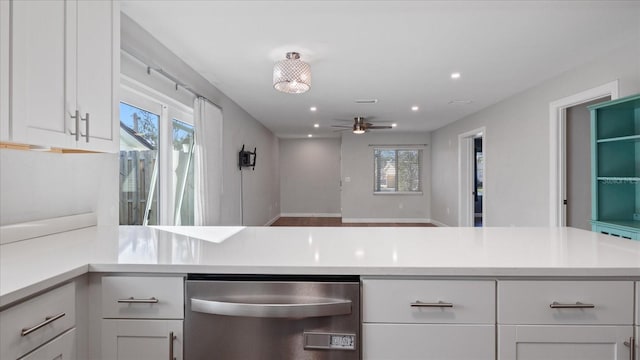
[(578, 165), (141, 339), (422, 341), (98, 73), (60, 348), (563, 342), (43, 49)]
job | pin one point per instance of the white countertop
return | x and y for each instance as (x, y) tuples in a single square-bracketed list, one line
[(27, 267)]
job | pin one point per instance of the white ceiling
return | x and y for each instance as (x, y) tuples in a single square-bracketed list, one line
[(399, 52)]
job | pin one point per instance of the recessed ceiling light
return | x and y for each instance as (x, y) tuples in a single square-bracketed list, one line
[(394, 125), (455, 75), (316, 125), (310, 135), (313, 108), (415, 108)]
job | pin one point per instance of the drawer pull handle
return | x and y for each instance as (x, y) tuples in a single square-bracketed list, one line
[(577, 305), (632, 347), (133, 300), (172, 338), (439, 304), (47, 320)]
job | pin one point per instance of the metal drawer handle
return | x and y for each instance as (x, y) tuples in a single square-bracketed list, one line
[(48, 320), (440, 304), (86, 120), (316, 307), (133, 300), (76, 116), (577, 305), (172, 338), (632, 347)]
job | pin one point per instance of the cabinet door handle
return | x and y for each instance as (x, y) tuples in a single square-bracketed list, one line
[(172, 338), (577, 305), (86, 124), (47, 320), (133, 300), (440, 304), (77, 118), (632, 347)]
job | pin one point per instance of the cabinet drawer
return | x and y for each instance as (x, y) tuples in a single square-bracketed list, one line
[(638, 304), (47, 316), (530, 302), (422, 341), (60, 348), (142, 297), (428, 301)]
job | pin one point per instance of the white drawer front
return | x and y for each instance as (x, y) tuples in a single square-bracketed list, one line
[(142, 297), (638, 304), (421, 341), (55, 309), (529, 302), (390, 301), (60, 348)]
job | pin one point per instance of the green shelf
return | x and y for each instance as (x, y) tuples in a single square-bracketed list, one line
[(618, 179), (631, 138)]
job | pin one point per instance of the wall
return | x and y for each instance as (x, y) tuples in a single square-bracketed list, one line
[(517, 143), (249, 197), (310, 177), (41, 185), (358, 201)]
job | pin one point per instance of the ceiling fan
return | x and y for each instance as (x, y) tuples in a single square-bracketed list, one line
[(360, 126)]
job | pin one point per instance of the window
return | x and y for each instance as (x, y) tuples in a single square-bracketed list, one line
[(397, 170), (156, 158)]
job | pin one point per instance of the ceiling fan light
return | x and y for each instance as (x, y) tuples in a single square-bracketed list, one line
[(292, 75), (359, 128)]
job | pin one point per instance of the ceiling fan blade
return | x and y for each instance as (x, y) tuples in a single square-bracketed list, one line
[(341, 130), (341, 126), (379, 127), (345, 120)]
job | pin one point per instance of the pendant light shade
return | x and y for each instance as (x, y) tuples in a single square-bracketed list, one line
[(292, 75)]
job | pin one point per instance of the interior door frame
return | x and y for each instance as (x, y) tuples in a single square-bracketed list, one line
[(465, 176), (557, 145)]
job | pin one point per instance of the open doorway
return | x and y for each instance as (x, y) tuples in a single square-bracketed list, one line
[(577, 169), (472, 178), (558, 150)]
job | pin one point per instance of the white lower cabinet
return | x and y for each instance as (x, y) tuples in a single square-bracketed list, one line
[(426, 341), (141, 339), (556, 342), (61, 348)]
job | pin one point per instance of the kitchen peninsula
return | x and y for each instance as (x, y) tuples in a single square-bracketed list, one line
[(491, 271)]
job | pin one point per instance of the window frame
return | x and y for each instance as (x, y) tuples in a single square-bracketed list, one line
[(146, 98), (420, 151)]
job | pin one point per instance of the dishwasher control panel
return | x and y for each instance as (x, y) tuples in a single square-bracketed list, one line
[(329, 341)]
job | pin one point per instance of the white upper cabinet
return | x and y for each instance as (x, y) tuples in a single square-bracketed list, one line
[(64, 63)]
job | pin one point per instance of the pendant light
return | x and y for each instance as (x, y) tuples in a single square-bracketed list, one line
[(292, 75)]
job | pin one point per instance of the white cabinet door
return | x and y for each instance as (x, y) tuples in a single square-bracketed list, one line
[(60, 348), (98, 53), (557, 342), (425, 341), (141, 339), (43, 49), (5, 8)]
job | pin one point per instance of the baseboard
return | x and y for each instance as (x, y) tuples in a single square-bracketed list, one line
[(385, 220), (310, 215), (438, 223), (272, 220)]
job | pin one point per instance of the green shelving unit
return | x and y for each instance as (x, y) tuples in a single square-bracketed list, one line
[(615, 160)]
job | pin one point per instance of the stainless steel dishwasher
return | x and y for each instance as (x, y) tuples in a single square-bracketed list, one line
[(246, 317)]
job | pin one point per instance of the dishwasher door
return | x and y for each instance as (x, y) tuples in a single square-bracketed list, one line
[(272, 319)]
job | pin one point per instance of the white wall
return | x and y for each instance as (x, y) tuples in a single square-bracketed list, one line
[(259, 192), (310, 177), (42, 185), (358, 200), (517, 143)]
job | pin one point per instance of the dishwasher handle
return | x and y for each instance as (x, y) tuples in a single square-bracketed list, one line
[(317, 307)]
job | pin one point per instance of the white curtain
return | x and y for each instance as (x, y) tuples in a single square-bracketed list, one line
[(208, 162)]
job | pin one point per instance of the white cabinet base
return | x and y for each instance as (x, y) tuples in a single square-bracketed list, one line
[(558, 342), (141, 339), (422, 341)]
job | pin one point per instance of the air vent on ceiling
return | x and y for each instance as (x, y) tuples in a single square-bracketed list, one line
[(460, 102), (366, 101)]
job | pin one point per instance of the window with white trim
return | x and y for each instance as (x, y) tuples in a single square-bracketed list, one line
[(156, 158), (397, 170)]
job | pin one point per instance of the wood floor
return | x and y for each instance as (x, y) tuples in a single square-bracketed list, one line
[(335, 221)]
